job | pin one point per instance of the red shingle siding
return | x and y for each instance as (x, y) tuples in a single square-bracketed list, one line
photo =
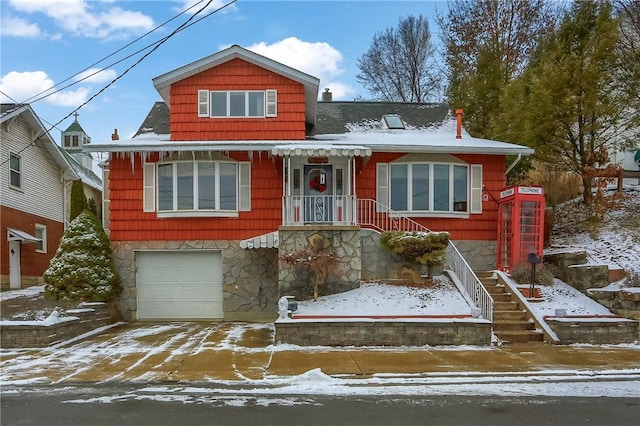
[(130, 223), (478, 226), (237, 74)]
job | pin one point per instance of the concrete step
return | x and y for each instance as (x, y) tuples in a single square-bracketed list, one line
[(509, 315), (496, 289), (512, 325), (505, 306), (501, 297), (520, 336)]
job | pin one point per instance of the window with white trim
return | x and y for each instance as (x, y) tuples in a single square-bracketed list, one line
[(15, 171), (198, 187), (41, 234), (237, 103), (430, 187)]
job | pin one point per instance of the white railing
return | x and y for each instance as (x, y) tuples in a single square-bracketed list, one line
[(318, 209), (371, 214)]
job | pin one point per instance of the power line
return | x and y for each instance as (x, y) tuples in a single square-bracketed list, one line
[(31, 100), (186, 24)]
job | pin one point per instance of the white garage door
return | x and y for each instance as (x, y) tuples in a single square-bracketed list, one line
[(179, 285)]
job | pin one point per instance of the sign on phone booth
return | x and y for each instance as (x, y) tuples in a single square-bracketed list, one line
[(520, 226)]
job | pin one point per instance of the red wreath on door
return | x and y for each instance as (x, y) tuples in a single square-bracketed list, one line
[(316, 183)]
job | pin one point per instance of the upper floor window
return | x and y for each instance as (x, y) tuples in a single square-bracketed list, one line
[(15, 171), (41, 233), (430, 188), (254, 103)]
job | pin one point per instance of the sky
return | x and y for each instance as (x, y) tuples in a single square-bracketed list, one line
[(64, 43)]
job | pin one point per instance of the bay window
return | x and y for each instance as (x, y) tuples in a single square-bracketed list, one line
[(431, 187), (198, 187)]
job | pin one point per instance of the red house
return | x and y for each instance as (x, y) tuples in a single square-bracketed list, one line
[(240, 164)]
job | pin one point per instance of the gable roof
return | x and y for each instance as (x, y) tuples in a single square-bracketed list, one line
[(11, 111), (163, 82)]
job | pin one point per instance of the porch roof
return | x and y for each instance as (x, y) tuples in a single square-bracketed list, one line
[(18, 235), (300, 149)]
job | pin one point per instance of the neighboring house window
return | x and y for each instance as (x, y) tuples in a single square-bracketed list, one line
[(433, 188), (15, 171), (255, 103), (41, 233), (197, 187)]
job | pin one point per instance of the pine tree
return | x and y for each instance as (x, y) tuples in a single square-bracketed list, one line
[(82, 268), (78, 200)]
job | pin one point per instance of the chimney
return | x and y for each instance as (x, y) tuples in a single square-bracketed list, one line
[(327, 96), (114, 136), (459, 113)]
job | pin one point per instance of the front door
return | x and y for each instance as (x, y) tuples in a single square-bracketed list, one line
[(14, 265), (318, 193)]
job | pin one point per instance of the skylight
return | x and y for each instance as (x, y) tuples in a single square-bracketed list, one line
[(393, 121)]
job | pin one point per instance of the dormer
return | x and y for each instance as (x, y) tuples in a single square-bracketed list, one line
[(237, 94)]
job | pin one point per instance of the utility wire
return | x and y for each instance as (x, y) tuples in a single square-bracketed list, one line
[(31, 100), (159, 43)]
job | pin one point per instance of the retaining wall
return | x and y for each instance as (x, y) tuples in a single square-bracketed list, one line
[(384, 332), (595, 331), (40, 334)]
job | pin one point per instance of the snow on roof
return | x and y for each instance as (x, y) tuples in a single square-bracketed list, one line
[(432, 140)]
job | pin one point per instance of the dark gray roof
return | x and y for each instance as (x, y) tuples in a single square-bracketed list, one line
[(336, 117), (7, 108), (332, 117), (157, 120)]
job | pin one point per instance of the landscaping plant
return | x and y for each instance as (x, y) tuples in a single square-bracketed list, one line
[(424, 248), (82, 268)]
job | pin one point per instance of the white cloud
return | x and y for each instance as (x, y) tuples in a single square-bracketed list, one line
[(88, 19), (18, 27), (22, 86), (95, 75), (318, 59)]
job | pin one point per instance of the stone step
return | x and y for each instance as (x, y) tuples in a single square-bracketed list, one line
[(497, 289), (520, 336), (512, 325), (509, 315), (505, 306), (501, 297)]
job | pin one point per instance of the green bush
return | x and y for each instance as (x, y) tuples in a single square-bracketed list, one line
[(424, 248), (82, 268)]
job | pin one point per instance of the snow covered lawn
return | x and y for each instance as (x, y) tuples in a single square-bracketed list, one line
[(438, 298)]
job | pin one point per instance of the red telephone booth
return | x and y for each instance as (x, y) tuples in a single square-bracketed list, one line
[(520, 226)]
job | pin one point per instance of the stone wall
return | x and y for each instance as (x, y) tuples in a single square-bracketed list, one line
[(250, 277), (377, 263), (39, 334), (625, 302), (383, 333), (594, 331), (345, 243)]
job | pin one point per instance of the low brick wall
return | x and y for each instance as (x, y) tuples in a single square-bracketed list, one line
[(383, 332), (595, 331), (40, 334)]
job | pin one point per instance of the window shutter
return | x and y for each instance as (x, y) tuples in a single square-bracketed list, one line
[(476, 188), (106, 199), (382, 182), (203, 103), (272, 103), (149, 194), (245, 186)]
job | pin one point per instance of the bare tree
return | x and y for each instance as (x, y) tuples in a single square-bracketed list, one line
[(400, 64)]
